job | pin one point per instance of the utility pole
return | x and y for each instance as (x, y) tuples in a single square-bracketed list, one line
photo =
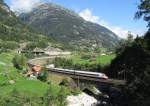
[(78, 81)]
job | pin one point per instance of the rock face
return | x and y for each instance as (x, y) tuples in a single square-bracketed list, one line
[(4, 8), (68, 27), (81, 100)]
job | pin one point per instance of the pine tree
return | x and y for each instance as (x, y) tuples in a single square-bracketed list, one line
[(144, 11)]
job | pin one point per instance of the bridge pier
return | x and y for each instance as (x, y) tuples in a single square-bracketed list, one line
[(82, 84)]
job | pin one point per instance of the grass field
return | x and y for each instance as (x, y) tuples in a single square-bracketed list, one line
[(99, 59), (55, 78), (105, 59), (5, 62)]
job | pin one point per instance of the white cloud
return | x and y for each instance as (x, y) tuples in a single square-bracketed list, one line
[(88, 16), (23, 5)]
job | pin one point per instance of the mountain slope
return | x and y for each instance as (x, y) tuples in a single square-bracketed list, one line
[(13, 32), (68, 27), (11, 29)]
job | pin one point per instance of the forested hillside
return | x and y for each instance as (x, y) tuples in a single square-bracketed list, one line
[(13, 32)]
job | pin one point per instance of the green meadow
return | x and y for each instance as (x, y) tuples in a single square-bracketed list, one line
[(87, 58)]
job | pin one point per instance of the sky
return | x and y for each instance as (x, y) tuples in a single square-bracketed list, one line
[(116, 15)]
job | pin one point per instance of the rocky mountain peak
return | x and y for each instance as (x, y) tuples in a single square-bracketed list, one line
[(68, 27)]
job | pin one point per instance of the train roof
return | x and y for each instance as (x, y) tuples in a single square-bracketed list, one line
[(88, 72)]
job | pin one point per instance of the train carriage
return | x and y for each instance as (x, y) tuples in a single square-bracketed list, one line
[(80, 73)]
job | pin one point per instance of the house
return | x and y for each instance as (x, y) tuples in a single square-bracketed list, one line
[(34, 72), (36, 69)]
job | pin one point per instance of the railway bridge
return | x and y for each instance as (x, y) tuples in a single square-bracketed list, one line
[(84, 81)]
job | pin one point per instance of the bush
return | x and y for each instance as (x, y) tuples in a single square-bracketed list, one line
[(19, 99), (62, 62), (43, 76), (61, 97), (86, 56), (76, 91), (8, 45), (65, 82), (55, 100), (19, 61), (33, 45)]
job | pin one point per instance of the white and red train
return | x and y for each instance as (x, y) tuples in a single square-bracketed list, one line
[(78, 73)]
